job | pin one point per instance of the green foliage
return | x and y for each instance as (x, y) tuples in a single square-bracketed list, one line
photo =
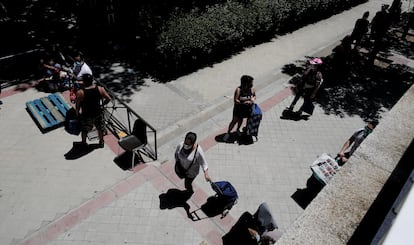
[(228, 27)]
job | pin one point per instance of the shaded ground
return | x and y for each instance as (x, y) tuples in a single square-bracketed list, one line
[(357, 87), (121, 77)]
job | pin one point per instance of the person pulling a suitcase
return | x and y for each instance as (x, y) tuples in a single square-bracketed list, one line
[(189, 158)]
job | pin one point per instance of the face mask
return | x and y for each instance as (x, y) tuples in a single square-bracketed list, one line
[(368, 130), (78, 63), (187, 147)]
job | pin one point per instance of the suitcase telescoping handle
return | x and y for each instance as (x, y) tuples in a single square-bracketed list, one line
[(215, 187)]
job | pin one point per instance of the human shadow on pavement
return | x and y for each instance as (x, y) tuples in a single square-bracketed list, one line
[(291, 115), (303, 197), (79, 150), (242, 139), (231, 140), (175, 198), (215, 205)]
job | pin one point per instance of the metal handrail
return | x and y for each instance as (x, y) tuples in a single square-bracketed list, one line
[(120, 118)]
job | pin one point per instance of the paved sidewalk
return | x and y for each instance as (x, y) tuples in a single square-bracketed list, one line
[(46, 199)]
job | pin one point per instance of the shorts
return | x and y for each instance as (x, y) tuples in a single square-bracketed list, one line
[(87, 123), (242, 111)]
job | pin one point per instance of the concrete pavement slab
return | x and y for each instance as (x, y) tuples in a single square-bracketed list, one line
[(39, 187)]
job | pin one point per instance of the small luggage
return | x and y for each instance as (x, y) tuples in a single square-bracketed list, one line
[(226, 190), (221, 203), (253, 122), (226, 195)]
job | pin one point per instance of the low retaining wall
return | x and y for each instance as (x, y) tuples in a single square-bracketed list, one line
[(345, 210)]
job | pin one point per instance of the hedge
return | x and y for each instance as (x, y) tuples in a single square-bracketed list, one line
[(188, 40)]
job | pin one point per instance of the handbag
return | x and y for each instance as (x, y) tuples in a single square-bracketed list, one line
[(180, 170)]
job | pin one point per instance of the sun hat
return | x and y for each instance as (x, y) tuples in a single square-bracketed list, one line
[(316, 61)]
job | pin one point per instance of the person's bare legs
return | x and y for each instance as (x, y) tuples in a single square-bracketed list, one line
[(83, 136), (233, 122), (239, 123), (295, 100), (101, 139)]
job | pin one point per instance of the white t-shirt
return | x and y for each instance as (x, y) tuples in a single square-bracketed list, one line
[(186, 160), (84, 69)]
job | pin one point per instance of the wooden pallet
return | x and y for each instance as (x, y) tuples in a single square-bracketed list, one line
[(49, 112)]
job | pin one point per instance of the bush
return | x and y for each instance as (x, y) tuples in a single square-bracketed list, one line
[(190, 40)]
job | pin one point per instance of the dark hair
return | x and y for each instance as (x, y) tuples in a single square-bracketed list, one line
[(191, 136), (246, 80), (87, 79), (366, 14), (373, 122), (78, 53)]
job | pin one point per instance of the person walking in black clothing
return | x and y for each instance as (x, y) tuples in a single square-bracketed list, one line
[(380, 23), (89, 108), (308, 87), (360, 29)]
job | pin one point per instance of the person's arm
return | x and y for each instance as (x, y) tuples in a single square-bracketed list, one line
[(347, 144), (237, 96), (344, 148), (319, 80), (203, 163), (253, 98), (254, 234), (177, 150), (50, 67), (107, 98), (313, 95)]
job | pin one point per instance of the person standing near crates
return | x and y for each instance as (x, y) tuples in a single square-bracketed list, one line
[(89, 108)]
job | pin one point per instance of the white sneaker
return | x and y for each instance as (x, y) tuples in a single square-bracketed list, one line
[(226, 137)]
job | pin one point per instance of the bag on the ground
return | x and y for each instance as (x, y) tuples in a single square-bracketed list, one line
[(180, 170)]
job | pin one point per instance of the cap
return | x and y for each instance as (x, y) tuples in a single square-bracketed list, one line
[(191, 136), (316, 61)]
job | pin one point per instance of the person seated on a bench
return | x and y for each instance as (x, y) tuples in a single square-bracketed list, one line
[(354, 141)]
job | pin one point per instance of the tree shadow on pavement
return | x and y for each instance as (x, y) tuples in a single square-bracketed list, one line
[(303, 197), (175, 198), (122, 78), (361, 89)]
